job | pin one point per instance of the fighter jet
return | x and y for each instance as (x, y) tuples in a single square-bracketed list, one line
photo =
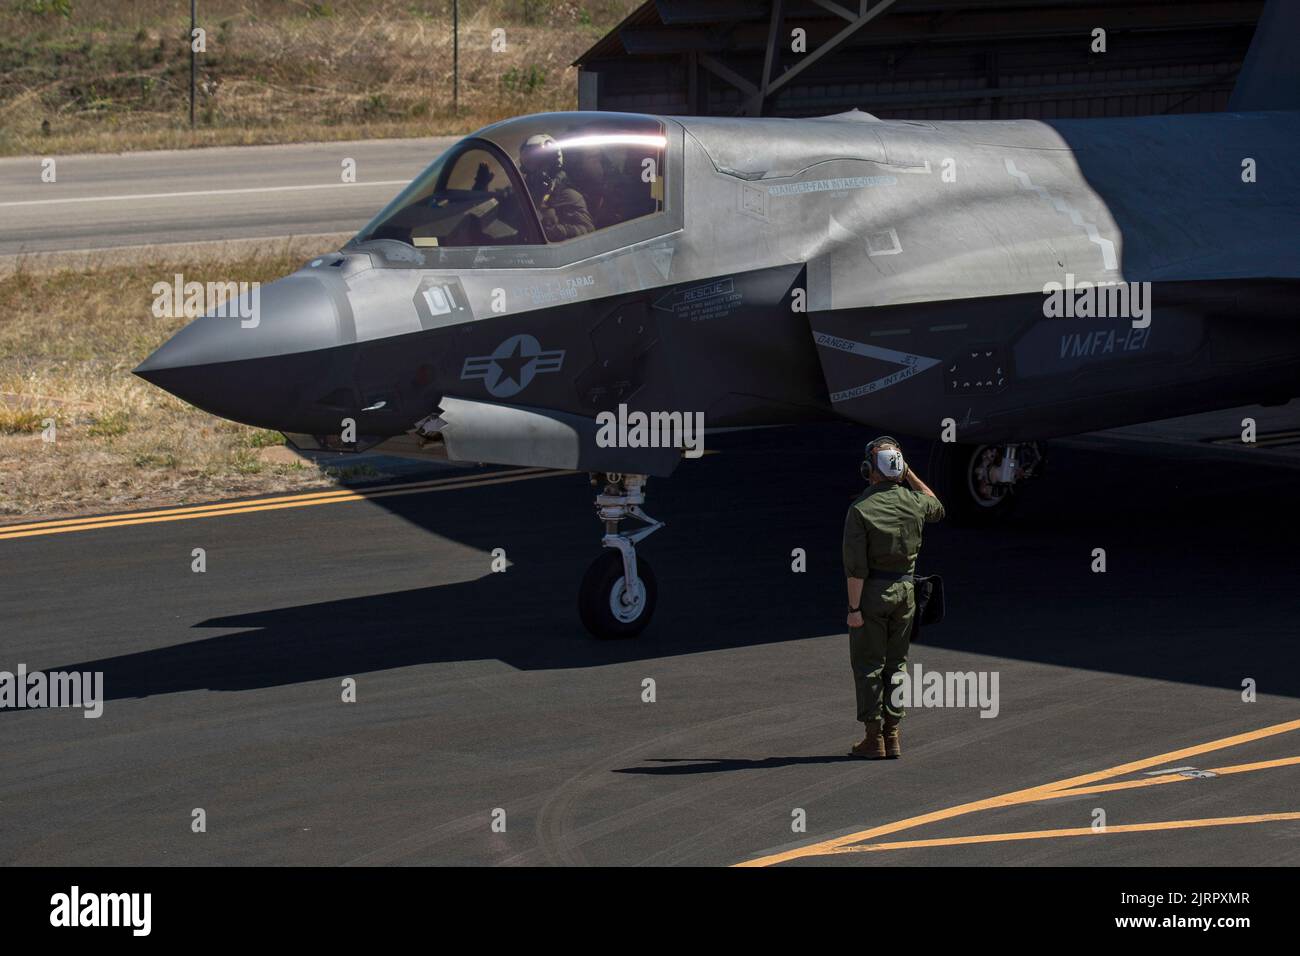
[(991, 284)]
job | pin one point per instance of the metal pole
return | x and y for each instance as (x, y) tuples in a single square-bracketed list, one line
[(455, 56), (194, 16)]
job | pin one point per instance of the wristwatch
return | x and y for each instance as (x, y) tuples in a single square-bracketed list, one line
[(855, 610)]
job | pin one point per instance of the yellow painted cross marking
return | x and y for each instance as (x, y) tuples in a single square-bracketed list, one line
[(1070, 832), (1068, 787)]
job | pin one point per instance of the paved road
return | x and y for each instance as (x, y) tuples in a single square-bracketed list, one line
[(478, 691), (249, 192)]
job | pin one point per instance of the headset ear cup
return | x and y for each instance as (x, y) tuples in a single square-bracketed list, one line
[(864, 470)]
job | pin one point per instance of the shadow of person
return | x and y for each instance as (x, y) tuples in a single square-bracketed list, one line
[(692, 765)]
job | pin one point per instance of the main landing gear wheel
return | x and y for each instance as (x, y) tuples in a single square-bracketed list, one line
[(618, 593), (978, 484)]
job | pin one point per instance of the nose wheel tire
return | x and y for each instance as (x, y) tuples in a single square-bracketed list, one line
[(608, 607)]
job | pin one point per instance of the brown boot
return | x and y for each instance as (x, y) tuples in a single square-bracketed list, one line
[(893, 748), (872, 746)]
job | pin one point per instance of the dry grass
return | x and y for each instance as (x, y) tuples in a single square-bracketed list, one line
[(114, 74), (68, 342)]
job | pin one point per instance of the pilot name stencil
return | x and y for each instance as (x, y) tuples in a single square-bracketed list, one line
[(565, 290), (512, 365)]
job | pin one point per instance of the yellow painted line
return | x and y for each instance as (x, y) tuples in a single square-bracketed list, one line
[(1172, 778), (1112, 787), (1070, 832), (274, 504), (227, 505), (1029, 795), (1261, 765), (1098, 788)]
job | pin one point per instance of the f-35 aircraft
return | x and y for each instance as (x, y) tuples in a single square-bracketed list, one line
[(909, 276)]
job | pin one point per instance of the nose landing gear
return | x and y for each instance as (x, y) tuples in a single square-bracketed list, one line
[(618, 593)]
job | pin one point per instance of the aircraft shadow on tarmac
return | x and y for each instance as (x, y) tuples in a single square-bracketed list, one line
[(1198, 587)]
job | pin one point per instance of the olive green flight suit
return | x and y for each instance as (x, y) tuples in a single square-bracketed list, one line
[(882, 532)]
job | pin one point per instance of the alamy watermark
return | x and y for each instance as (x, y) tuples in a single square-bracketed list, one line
[(178, 298), (624, 429), (37, 690), (1098, 300), (947, 689), (75, 909)]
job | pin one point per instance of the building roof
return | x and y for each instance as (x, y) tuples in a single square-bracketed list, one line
[(926, 58)]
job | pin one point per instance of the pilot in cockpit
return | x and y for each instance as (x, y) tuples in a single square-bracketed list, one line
[(560, 207)]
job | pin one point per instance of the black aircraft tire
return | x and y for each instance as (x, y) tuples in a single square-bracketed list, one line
[(950, 466), (595, 597)]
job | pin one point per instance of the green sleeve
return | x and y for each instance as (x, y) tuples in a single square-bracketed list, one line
[(855, 545), (933, 508)]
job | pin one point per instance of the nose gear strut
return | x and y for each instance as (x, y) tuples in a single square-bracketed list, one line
[(618, 593)]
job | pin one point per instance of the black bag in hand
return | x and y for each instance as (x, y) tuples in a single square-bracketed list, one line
[(929, 603)]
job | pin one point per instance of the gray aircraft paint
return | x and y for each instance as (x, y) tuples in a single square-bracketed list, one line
[(939, 284)]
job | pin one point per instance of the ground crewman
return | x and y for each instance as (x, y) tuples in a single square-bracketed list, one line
[(882, 537)]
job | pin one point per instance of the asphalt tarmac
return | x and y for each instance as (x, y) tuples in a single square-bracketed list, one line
[(221, 193), (480, 700)]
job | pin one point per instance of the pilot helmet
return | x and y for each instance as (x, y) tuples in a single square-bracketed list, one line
[(540, 158)]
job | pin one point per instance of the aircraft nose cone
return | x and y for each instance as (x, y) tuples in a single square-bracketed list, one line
[(253, 363)]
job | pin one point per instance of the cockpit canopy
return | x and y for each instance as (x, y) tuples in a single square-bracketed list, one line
[(534, 180)]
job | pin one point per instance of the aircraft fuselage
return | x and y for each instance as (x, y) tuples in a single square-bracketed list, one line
[(894, 273)]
